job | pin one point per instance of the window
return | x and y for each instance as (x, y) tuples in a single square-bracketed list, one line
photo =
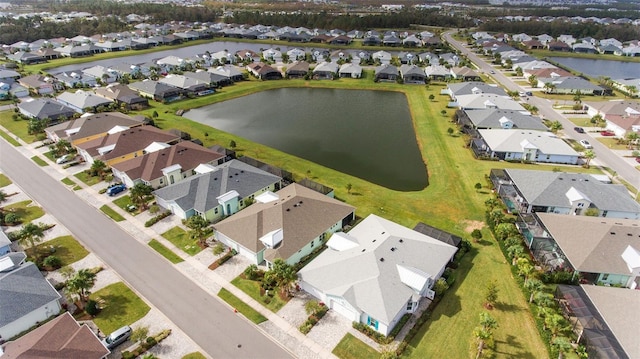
[(161, 180), (604, 213), (313, 242), (410, 306), (605, 276), (215, 210)]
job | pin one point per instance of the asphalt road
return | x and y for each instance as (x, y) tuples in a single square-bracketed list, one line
[(212, 325), (604, 155)]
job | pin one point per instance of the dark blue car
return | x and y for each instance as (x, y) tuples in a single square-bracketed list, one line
[(114, 190)]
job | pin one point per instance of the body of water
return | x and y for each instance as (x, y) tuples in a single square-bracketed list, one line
[(367, 134), (596, 68)]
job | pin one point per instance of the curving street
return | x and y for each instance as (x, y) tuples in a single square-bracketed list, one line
[(604, 155), (209, 323)]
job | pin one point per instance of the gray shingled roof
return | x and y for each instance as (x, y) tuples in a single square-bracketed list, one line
[(546, 188), (468, 88), (372, 285), (490, 118), (200, 191), (46, 108), (22, 291)]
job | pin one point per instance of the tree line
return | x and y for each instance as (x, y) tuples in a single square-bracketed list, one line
[(557, 28), (35, 28)]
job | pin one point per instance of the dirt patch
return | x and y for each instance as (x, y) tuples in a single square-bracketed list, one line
[(469, 226)]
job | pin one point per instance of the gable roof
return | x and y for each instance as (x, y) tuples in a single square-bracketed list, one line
[(593, 244), (120, 92), (22, 291), (350, 68), (61, 337), (484, 101), (475, 87), (301, 213), (82, 99), (546, 188), (572, 83), (91, 125), (492, 118), (324, 66), (150, 166), (183, 82), (46, 108), (502, 140), (621, 108), (153, 87), (299, 66), (382, 266), (200, 192)]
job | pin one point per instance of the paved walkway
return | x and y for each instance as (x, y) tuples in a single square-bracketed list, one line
[(284, 332)]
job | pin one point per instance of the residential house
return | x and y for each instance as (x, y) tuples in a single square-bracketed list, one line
[(110, 46), (26, 297), (42, 108), (102, 74), (89, 127), (272, 55), (325, 70), (350, 70), (437, 73), (486, 101), (288, 224), (229, 71), (387, 73), (528, 191), (157, 91), (567, 39), (472, 88), (383, 57), (524, 145), (449, 58), (600, 319), (472, 120), (533, 65), (371, 41), (391, 40), (340, 40), (81, 101), (40, 85), (18, 90), (621, 117), (213, 80), (171, 63), (163, 164), (521, 37), (412, 74), (75, 79), (558, 46), (544, 38), (570, 85), (222, 57), (465, 74), (26, 58), (610, 50), (298, 70), (611, 41), (264, 71), (248, 55), (602, 251), (188, 85), (215, 192), (5, 243), (533, 44), (584, 48), (121, 144), (407, 58), (296, 54), (62, 337), (123, 96), (377, 272), (8, 76), (411, 41), (78, 50), (550, 72)]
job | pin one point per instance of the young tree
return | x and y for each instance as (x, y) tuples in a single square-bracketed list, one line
[(31, 234), (555, 126), (284, 275), (491, 294), (349, 188), (534, 286), (485, 331), (198, 228), (80, 284), (312, 307), (450, 131), (232, 144), (476, 234), (588, 156), (139, 194), (139, 334), (562, 345), (432, 97), (533, 81)]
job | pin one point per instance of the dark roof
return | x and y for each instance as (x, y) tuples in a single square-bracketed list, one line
[(438, 234), (46, 108)]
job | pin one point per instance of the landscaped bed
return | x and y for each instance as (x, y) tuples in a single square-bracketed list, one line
[(274, 302), (120, 307), (4, 180), (87, 179)]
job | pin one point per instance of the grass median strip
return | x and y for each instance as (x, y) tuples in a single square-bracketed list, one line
[(67, 181), (166, 252), (4, 180), (9, 139), (242, 307), (111, 213), (39, 161)]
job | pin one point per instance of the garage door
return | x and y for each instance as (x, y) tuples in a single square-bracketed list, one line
[(344, 311)]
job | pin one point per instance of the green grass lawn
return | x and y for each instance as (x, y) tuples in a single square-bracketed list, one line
[(180, 238), (252, 288), (39, 161), (241, 306), (583, 122), (68, 181), (612, 143), (50, 155), (66, 248), (124, 202), (9, 139), (88, 180), (112, 213), (16, 127), (194, 355), (120, 307), (4, 180), (25, 211), (165, 252), (351, 347)]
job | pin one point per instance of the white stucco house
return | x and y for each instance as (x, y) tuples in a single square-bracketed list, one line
[(377, 272)]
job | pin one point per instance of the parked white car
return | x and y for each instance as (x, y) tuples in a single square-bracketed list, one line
[(585, 144), (64, 159)]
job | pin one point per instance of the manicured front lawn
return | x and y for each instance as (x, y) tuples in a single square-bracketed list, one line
[(88, 180), (612, 143), (351, 347), (16, 127), (25, 211), (124, 202), (39, 161), (165, 252), (4, 180), (241, 306), (180, 238), (66, 248), (194, 355), (252, 288), (120, 307), (111, 213)]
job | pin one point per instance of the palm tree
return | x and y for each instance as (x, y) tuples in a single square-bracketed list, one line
[(525, 269), (515, 251), (562, 344), (139, 194), (3, 196), (485, 331), (80, 284), (197, 226), (533, 81), (534, 286), (98, 168), (549, 87), (555, 126), (632, 137), (31, 234), (284, 275), (588, 156)]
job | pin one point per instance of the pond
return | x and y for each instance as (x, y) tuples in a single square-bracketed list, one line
[(366, 134), (596, 68)]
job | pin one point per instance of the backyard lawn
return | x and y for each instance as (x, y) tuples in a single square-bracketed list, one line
[(4, 180), (25, 211), (252, 288), (180, 238), (241, 306), (120, 307), (66, 248), (351, 347)]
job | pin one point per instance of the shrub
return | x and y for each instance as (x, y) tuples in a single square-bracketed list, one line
[(368, 331), (218, 248), (128, 355), (154, 209), (92, 308), (52, 262), (11, 218), (157, 218)]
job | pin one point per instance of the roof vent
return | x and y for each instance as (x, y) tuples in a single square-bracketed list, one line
[(612, 233), (381, 259), (629, 234), (393, 249), (363, 249), (230, 176), (401, 240), (288, 209), (373, 241)]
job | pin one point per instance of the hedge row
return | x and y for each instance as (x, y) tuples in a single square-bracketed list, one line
[(157, 218)]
